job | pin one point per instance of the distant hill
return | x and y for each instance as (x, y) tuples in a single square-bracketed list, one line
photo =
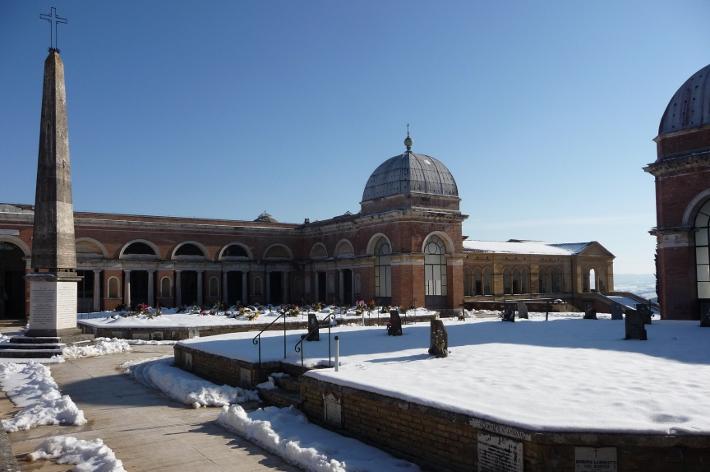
[(643, 285)]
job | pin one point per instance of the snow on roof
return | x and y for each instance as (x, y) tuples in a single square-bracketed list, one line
[(515, 246)]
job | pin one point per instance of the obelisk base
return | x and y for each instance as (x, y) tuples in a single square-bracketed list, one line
[(53, 304)]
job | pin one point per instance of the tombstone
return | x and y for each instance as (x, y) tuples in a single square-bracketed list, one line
[(313, 328), (522, 310), (635, 327), (645, 311), (394, 325), (508, 312), (439, 340), (617, 312), (589, 312)]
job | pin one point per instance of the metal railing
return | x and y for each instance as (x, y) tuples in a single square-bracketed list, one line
[(257, 339), (299, 345)]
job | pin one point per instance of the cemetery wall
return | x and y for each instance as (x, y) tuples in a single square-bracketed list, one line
[(445, 441)]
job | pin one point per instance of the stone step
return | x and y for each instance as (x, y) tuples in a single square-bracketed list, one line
[(35, 339), (288, 383), (279, 397), (30, 353), (12, 345)]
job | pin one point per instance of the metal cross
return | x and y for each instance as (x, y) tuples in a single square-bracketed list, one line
[(54, 21)]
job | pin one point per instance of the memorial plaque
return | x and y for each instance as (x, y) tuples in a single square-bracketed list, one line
[(499, 454), (595, 459)]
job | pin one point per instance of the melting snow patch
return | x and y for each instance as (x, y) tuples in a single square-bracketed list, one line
[(151, 342), (160, 374), (92, 456), (287, 433), (31, 387), (101, 347)]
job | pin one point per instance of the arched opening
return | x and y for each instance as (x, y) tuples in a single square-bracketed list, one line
[(487, 281), (435, 283), (468, 290), (237, 284), (188, 287), (383, 272), (139, 250), (213, 288), (345, 286), (114, 288), (85, 291), (277, 252), (139, 288), (165, 288), (507, 281), (189, 251), (12, 281), (591, 285), (702, 257), (344, 249), (234, 251), (318, 251), (87, 248)]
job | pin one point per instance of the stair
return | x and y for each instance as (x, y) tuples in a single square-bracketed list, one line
[(287, 392), (31, 347)]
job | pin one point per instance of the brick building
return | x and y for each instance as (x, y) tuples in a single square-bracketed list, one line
[(682, 177), (404, 247)]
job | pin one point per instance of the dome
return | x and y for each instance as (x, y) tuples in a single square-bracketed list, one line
[(410, 173), (690, 106)]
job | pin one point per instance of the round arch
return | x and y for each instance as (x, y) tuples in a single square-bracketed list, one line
[(694, 207), (444, 237), (96, 243), (17, 242), (243, 246), (199, 246), (153, 246), (372, 243), (343, 249), (318, 251), (275, 245)]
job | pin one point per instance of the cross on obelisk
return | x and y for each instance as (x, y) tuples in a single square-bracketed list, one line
[(54, 21)]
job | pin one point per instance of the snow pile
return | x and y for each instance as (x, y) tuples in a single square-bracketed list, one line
[(160, 374), (101, 347), (4, 339), (88, 456), (287, 433), (31, 387)]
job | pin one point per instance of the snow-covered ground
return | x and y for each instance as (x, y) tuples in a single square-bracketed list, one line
[(88, 456), (184, 387), (564, 374), (287, 433), (100, 347), (178, 320), (31, 387)]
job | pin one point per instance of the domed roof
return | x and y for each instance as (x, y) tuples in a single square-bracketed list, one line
[(410, 172), (690, 106)]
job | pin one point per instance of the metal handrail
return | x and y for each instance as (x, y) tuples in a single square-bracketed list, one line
[(299, 345), (257, 339)]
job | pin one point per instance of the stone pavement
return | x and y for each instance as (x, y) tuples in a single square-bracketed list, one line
[(146, 430)]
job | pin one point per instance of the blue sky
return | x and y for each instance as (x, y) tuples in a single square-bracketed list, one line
[(544, 111)]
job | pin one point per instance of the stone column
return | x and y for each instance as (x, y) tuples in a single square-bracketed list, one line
[(199, 287), (151, 289), (178, 288), (97, 290), (245, 287), (225, 288), (127, 288)]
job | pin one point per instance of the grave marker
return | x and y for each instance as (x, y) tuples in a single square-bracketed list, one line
[(499, 454), (439, 339), (508, 312), (617, 312), (595, 459), (589, 312), (645, 311), (635, 327), (313, 328), (522, 310), (394, 326)]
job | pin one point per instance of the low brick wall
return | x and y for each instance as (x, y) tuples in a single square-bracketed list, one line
[(444, 441), (179, 333)]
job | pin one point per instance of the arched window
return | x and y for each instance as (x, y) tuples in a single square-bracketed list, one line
[(139, 249), (507, 281), (487, 281), (544, 279), (189, 249), (435, 267), (477, 281), (468, 290), (517, 281), (213, 288), (383, 269), (165, 287), (702, 258), (556, 280), (235, 250), (113, 289)]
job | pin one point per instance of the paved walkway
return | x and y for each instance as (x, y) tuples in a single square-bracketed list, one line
[(147, 431)]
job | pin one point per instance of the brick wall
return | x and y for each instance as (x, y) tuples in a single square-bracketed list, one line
[(446, 441)]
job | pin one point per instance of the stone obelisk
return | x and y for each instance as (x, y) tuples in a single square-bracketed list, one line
[(53, 281)]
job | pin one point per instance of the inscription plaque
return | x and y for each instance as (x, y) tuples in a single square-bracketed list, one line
[(595, 459), (499, 454)]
